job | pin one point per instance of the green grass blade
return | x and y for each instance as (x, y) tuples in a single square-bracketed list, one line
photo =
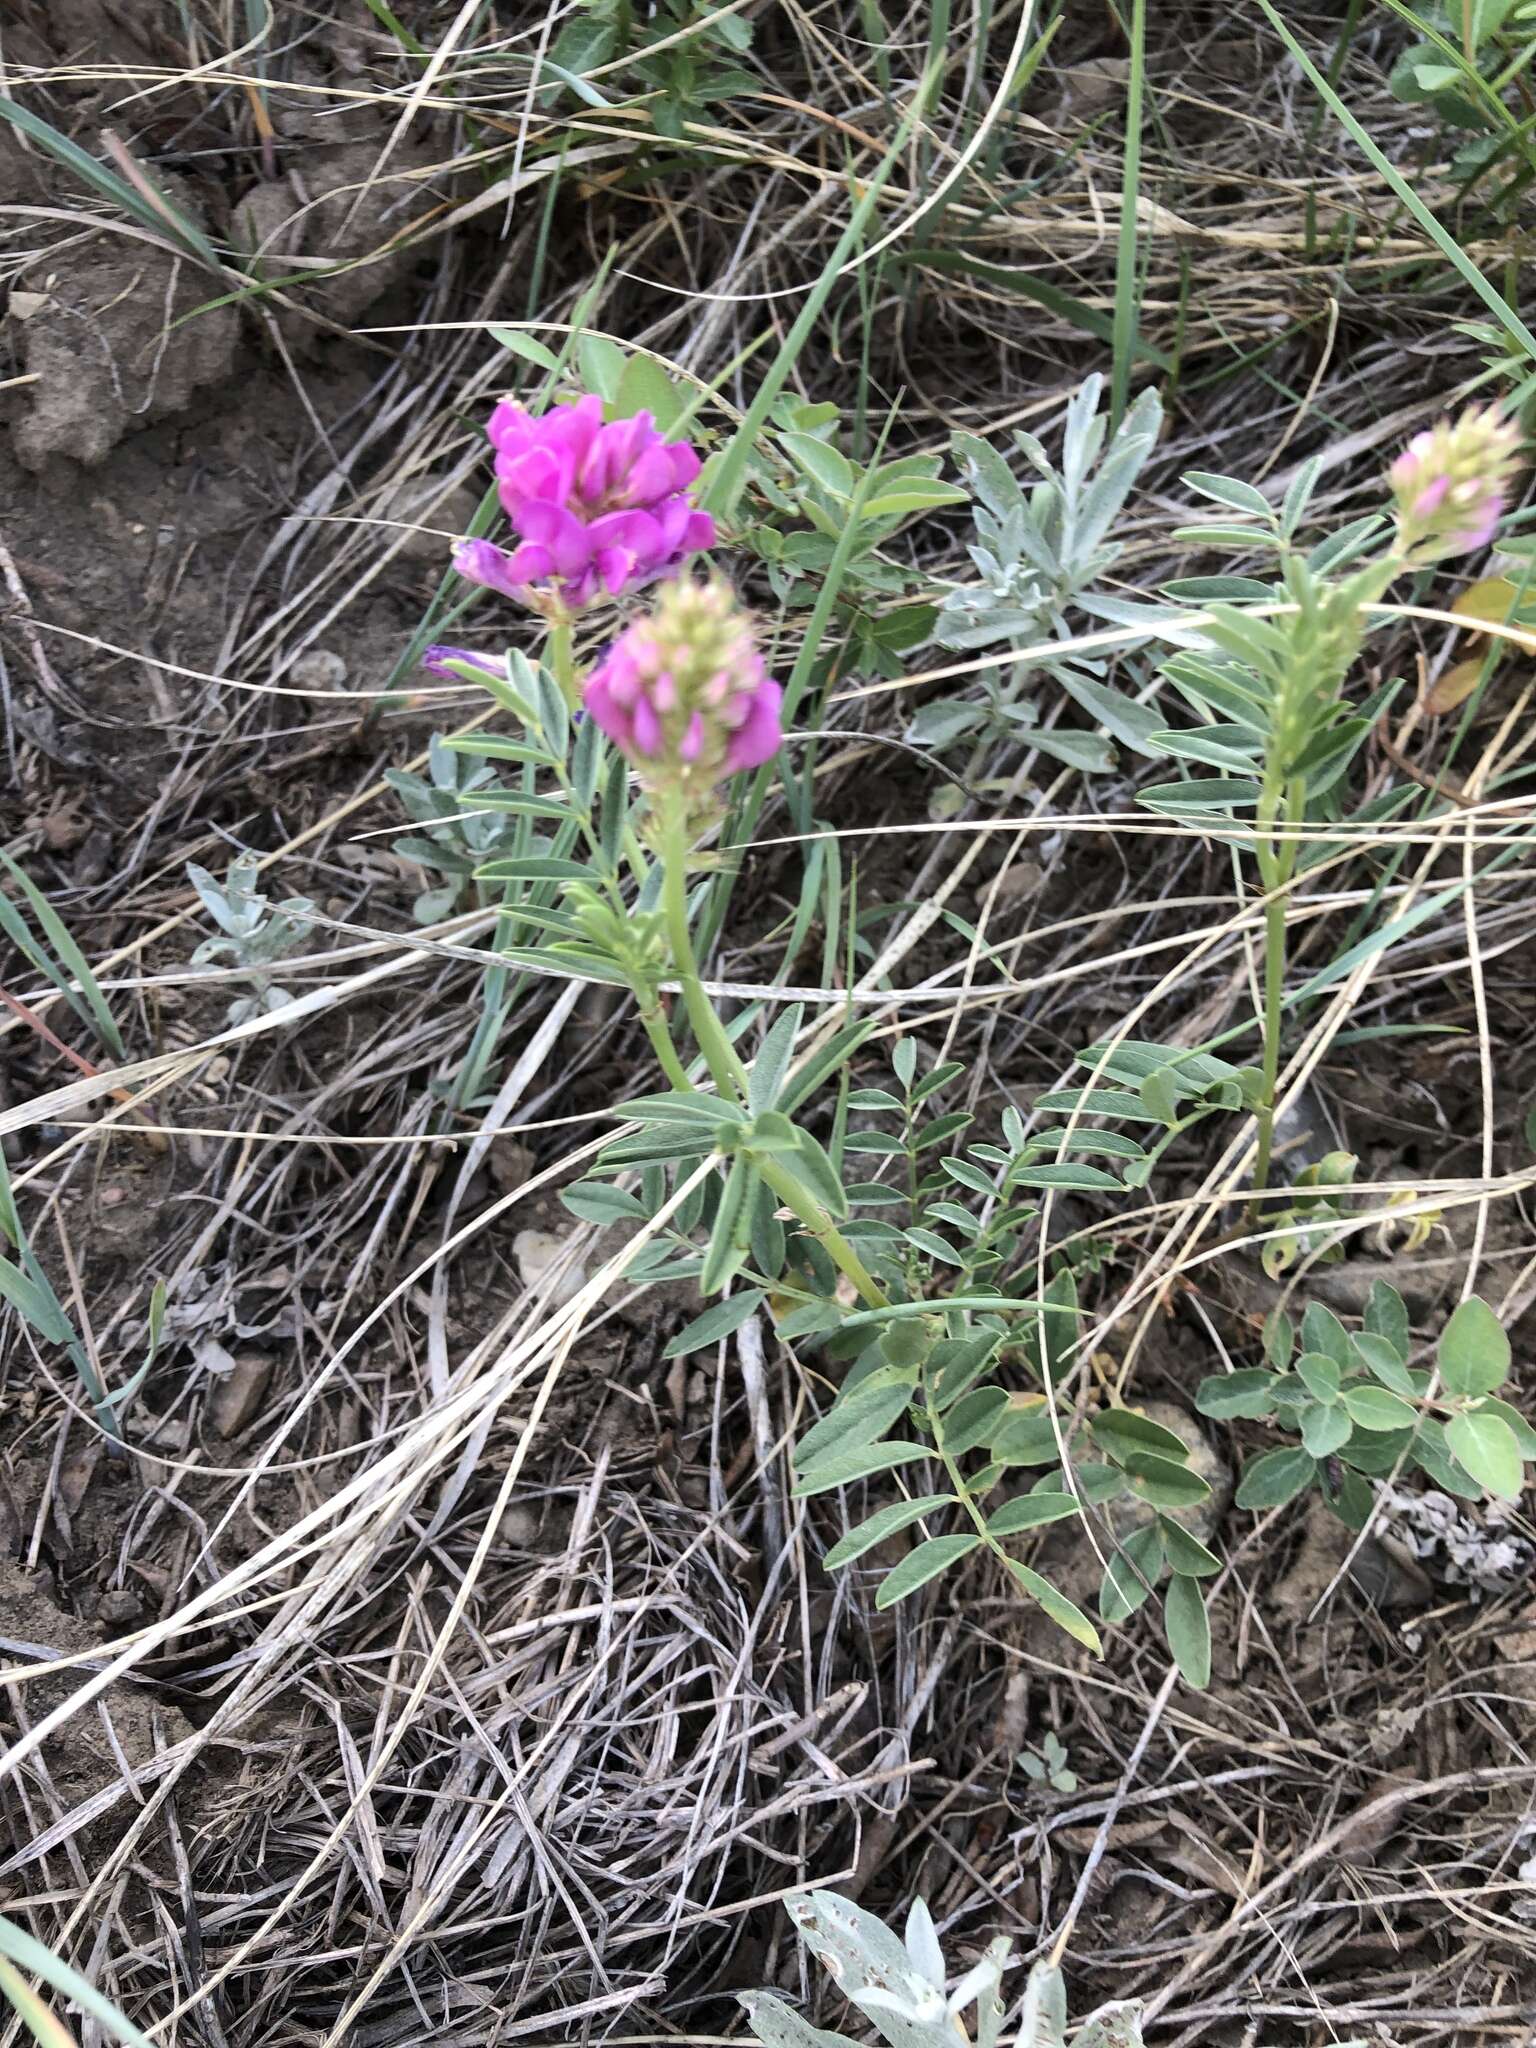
[(17, 1946), (72, 960), (391, 21), (1444, 240), (729, 473), (1024, 284), (1127, 283), (158, 216)]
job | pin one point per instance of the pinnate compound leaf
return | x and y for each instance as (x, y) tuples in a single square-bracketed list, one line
[(720, 1319), (1514, 1421), (1374, 1408), (1133, 1572), (1486, 1445), (1057, 1606), (888, 1522), (1325, 1429), (1123, 1430), (1474, 1354), (843, 1468), (858, 1418), (1248, 1393), (1186, 1554), (1164, 1482), (1275, 1478), (1031, 1511), (594, 1201), (923, 1563), (1386, 1315), (1188, 1628)]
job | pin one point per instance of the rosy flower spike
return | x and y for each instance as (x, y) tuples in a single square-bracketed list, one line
[(1450, 484), (683, 693), (599, 507)]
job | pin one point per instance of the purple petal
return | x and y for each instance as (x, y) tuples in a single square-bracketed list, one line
[(479, 561), (437, 662), (647, 728), (609, 717), (760, 738), (552, 527)]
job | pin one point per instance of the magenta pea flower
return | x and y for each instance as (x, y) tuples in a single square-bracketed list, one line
[(1450, 482), (598, 507), (684, 694), (451, 662)]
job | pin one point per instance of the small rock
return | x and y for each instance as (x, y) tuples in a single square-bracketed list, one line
[(535, 1252), (1379, 1572), (110, 347), (1018, 881), (518, 1528), (510, 1162), (319, 669), (1346, 1289), (119, 1608), (63, 829), (238, 1393)]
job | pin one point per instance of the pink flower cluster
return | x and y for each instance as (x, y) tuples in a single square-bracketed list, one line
[(684, 694), (1449, 484), (597, 507)]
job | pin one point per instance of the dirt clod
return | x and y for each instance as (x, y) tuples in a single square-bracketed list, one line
[(112, 345)]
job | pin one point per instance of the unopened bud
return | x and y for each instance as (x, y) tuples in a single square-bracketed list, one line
[(683, 692), (1450, 483)]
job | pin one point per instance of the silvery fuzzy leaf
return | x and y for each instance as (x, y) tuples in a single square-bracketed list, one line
[(1103, 500), (976, 1986), (990, 2007), (983, 625), (862, 1953), (986, 473), (1043, 2022), (235, 910), (1032, 451), (936, 724), (1112, 2026), (1082, 435), (778, 2025), (922, 1940)]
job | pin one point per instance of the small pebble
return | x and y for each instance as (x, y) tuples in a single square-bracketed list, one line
[(535, 1252), (237, 1394), (119, 1608), (319, 669)]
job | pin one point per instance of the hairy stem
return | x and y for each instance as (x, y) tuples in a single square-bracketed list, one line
[(724, 1062), (1277, 864), (560, 655)]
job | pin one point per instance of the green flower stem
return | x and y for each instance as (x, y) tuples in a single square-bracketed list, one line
[(654, 1019), (1277, 864), (794, 1194), (723, 1060), (714, 1042), (560, 653), (957, 1480)]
